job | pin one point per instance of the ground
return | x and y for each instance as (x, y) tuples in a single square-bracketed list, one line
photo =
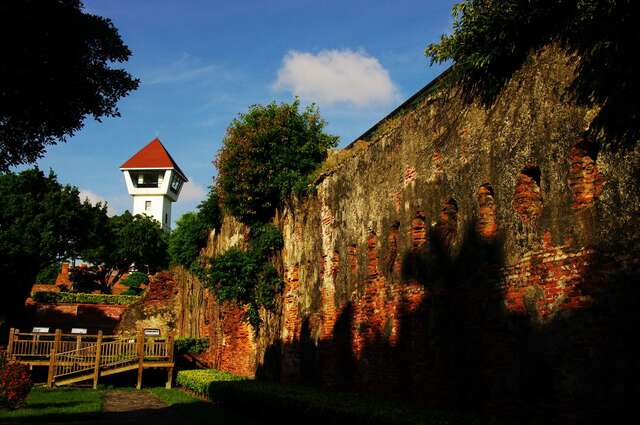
[(122, 406)]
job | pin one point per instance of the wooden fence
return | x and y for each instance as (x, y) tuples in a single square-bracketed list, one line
[(74, 358)]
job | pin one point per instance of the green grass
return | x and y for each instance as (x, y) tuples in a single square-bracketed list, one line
[(287, 403), (196, 412), (55, 405)]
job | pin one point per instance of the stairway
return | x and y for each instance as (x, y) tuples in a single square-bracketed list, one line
[(92, 362)]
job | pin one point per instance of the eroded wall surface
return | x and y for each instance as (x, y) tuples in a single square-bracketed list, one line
[(465, 256)]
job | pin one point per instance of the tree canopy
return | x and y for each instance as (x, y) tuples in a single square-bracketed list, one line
[(491, 39), (129, 240), (56, 69), (41, 223), (267, 154)]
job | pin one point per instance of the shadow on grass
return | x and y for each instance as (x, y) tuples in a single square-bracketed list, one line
[(180, 409)]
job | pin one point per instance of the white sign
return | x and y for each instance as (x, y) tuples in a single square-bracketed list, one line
[(40, 330), (82, 331), (152, 332)]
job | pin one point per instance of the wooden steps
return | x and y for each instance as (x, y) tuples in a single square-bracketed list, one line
[(70, 381), (119, 370), (77, 358)]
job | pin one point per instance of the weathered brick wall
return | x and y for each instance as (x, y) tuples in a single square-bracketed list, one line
[(467, 257), (232, 344)]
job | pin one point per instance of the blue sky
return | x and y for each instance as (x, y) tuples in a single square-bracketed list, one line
[(202, 62)]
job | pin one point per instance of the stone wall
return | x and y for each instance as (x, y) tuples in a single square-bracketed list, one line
[(466, 256)]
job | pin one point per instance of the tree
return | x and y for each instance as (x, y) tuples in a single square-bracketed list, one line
[(56, 69), (41, 223), (267, 155), (192, 230), (129, 240), (492, 39), (187, 239)]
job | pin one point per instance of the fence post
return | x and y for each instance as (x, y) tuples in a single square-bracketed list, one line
[(96, 369), (169, 343), (140, 349), (10, 342), (57, 339), (52, 366)]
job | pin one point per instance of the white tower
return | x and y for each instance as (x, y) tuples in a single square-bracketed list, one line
[(154, 181)]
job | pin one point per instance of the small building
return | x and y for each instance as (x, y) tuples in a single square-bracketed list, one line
[(154, 180)]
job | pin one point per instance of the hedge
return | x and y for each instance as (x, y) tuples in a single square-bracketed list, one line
[(78, 298), (200, 380), (184, 345), (286, 404)]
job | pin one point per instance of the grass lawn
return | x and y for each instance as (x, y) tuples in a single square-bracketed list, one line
[(55, 405), (196, 412), (84, 404)]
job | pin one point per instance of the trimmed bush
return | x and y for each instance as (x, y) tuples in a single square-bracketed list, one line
[(200, 380), (186, 345), (15, 382), (75, 298)]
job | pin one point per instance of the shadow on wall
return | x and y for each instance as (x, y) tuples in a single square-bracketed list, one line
[(463, 349)]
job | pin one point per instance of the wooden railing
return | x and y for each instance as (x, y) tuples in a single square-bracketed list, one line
[(79, 357), (31, 347)]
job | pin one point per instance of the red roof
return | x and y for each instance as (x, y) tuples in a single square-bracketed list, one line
[(153, 155)]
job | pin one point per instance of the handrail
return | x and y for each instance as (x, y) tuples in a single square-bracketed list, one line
[(78, 357)]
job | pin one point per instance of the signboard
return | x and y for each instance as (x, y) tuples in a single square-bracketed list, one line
[(82, 331), (40, 330), (151, 332)]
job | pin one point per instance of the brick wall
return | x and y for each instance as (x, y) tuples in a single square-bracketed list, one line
[(468, 257)]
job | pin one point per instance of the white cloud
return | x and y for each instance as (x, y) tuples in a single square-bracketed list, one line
[(336, 76), (94, 199), (186, 68), (192, 191)]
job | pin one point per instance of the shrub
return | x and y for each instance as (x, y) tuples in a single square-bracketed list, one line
[(209, 210), (200, 380), (48, 274), (186, 345), (15, 382), (267, 155), (134, 280), (73, 298), (187, 239)]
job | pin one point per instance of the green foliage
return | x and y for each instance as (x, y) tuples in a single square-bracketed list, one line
[(233, 276), (186, 345), (128, 240), (192, 231), (187, 239), (41, 223), (78, 298), (491, 40), (200, 380), (267, 155), (55, 71), (209, 210), (134, 280), (249, 278), (48, 274), (265, 240)]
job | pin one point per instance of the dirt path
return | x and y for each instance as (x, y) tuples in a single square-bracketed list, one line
[(124, 407)]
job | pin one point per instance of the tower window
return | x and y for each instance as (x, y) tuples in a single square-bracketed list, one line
[(147, 205), (166, 218)]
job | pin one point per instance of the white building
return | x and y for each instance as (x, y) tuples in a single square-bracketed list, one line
[(154, 181)]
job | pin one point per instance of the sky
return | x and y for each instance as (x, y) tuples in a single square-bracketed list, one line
[(201, 63)]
